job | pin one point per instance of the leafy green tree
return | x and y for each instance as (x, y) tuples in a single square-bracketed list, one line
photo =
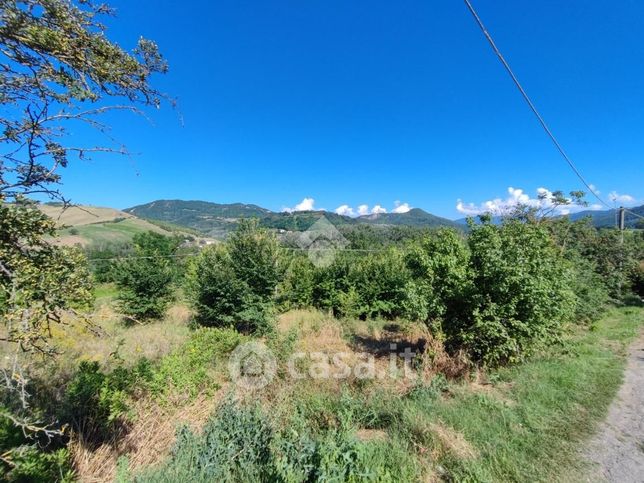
[(519, 297), (145, 279), (59, 69), (296, 290), (254, 254), (235, 284), (439, 265), (39, 282)]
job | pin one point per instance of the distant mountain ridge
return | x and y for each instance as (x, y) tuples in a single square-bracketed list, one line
[(218, 219), (600, 219)]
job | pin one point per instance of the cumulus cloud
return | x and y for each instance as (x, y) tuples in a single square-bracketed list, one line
[(376, 210), (307, 204), (363, 210), (345, 210), (615, 197), (401, 207), (517, 197)]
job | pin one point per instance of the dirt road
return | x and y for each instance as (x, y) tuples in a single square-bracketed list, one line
[(617, 451)]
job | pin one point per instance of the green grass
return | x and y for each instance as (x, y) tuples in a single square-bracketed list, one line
[(529, 422), (111, 232), (105, 292), (531, 425)]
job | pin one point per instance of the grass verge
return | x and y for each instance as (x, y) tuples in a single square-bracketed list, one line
[(529, 424)]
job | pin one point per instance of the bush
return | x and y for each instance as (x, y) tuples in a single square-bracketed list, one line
[(519, 296), (240, 444), (439, 266), (145, 280), (234, 284), (30, 461), (296, 290), (97, 402), (188, 369), (234, 446), (383, 287)]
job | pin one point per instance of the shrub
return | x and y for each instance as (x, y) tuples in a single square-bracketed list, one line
[(30, 461), (145, 280), (234, 446), (241, 444), (519, 296), (187, 370), (439, 266), (296, 290), (97, 402), (254, 255), (235, 284), (382, 284)]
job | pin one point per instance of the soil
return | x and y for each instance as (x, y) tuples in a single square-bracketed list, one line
[(617, 450)]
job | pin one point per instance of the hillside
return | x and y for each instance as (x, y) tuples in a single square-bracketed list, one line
[(414, 217), (218, 219), (608, 218), (214, 219), (90, 225), (600, 219)]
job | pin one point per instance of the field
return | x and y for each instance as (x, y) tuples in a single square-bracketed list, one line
[(428, 356), (524, 423), (99, 227)]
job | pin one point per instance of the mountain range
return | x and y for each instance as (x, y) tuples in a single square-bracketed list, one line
[(216, 220)]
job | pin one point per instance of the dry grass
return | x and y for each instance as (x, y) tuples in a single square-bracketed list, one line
[(147, 441), (453, 442), (82, 215), (106, 337)]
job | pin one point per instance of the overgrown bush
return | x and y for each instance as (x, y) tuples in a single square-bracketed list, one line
[(187, 369), (240, 443), (96, 402), (439, 264), (234, 284), (145, 279), (519, 296), (24, 460), (296, 290)]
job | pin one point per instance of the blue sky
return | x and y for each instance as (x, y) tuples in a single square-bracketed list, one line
[(373, 102)]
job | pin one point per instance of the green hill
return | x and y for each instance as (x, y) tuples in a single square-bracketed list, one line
[(97, 226), (219, 219), (214, 219), (608, 218), (414, 217)]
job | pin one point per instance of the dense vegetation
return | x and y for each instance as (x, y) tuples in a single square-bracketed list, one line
[(508, 304)]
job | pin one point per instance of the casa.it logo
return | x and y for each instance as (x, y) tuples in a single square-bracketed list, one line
[(252, 366)]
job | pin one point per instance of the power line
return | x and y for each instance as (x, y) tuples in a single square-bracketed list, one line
[(530, 103), (633, 213), (190, 255)]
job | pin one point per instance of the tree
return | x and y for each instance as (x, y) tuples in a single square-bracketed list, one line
[(235, 284), (145, 279), (57, 69), (519, 296)]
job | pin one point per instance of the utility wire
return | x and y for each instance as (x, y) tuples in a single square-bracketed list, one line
[(530, 103), (190, 255)]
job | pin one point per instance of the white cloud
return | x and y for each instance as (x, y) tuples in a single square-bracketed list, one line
[(345, 210), (401, 207), (615, 197), (376, 210), (307, 204), (363, 210), (594, 188), (517, 197)]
